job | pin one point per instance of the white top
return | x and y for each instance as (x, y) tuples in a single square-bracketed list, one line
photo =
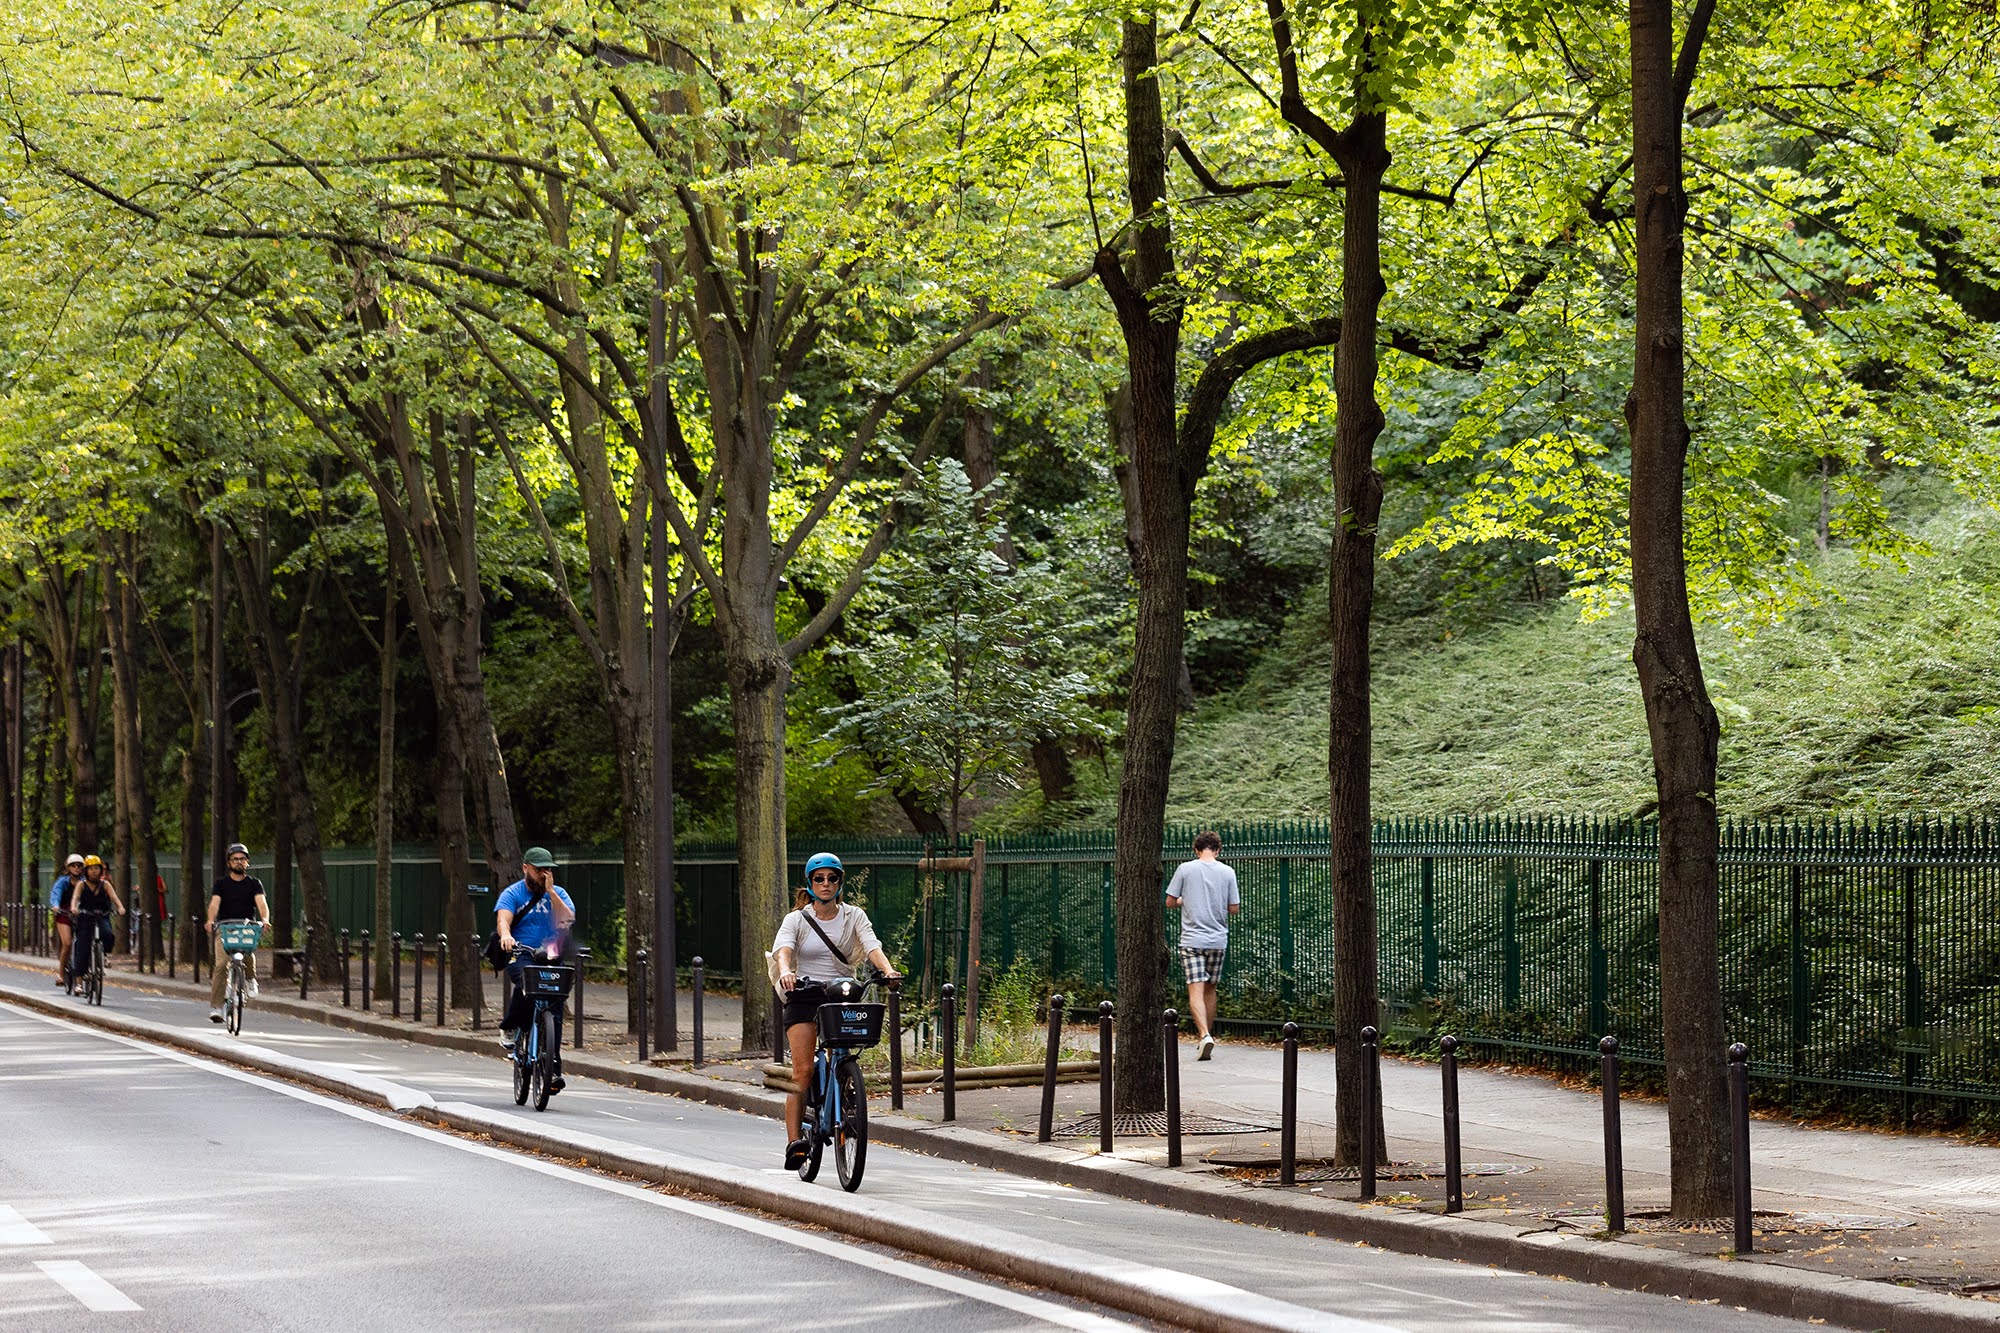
[(850, 929)]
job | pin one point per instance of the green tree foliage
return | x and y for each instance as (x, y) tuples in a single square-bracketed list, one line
[(961, 664)]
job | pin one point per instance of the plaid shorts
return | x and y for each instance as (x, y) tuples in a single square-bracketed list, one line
[(1202, 964)]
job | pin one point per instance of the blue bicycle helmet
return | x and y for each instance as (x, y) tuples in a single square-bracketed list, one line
[(825, 861)]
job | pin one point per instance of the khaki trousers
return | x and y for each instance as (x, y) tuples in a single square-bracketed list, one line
[(220, 979)]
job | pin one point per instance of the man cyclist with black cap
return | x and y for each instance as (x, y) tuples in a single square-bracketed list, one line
[(237, 896), (530, 912)]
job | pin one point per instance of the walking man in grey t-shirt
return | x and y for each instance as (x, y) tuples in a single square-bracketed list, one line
[(1205, 891)]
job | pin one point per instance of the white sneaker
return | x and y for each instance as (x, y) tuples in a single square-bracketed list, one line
[(1207, 1048), (215, 1015), (253, 988)]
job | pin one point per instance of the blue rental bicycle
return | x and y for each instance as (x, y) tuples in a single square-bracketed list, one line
[(538, 1042), (836, 1097)]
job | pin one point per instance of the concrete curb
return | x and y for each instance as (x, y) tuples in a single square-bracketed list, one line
[(1755, 1283), (349, 1083), (1178, 1298), (1181, 1299)]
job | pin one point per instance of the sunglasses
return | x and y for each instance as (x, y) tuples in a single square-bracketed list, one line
[(826, 877)]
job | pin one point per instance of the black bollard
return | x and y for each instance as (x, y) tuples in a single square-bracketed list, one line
[(1170, 1025), (478, 984), (305, 960), (1454, 1170), (417, 978), (895, 1017), (777, 1027), (639, 975), (948, 1016), (444, 954), (895, 1056), (367, 961), (395, 974), (173, 943), (1371, 1107), (582, 957), (196, 947), (139, 943), (1288, 1114), (1614, 1137), (1104, 1056), (346, 969), (1739, 1146), (1048, 1126)]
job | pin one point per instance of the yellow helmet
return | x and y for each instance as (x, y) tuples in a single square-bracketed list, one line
[(90, 861)]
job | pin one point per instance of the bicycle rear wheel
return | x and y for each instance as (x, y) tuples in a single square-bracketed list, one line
[(816, 1135), (523, 1063), (546, 1037), (850, 1136)]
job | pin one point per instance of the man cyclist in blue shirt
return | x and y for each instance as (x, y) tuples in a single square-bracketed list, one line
[(531, 911)]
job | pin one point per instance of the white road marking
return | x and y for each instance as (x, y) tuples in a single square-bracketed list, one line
[(18, 1230), (1047, 1312), (93, 1291), (615, 1116)]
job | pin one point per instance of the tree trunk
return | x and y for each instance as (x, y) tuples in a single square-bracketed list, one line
[(297, 817), (385, 783), (38, 802), (194, 772), (1149, 315), (1357, 486), (1680, 718), (454, 841), (10, 777), (758, 678)]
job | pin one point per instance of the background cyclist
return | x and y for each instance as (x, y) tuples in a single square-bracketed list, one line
[(94, 894), (237, 896), (803, 952), (59, 909), (530, 912)]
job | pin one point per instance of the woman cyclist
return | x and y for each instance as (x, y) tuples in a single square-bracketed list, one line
[(91, 903), (819, 940)]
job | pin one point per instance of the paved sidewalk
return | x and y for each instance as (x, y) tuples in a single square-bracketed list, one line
[(1916, 1210)]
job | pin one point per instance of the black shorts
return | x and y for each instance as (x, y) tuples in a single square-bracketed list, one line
[(803, 1011)]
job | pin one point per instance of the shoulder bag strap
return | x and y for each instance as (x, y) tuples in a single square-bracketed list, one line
[(838, 952)]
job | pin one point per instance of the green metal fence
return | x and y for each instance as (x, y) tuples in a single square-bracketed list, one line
[(1854, 954)]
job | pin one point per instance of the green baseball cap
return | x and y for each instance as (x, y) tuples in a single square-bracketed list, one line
[(539, 858)]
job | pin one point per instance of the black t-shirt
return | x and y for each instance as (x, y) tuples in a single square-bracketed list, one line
[(239, 898), (90, 898)]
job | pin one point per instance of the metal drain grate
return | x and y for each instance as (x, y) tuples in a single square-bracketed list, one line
[(1154, 1123), (1319, 1173)]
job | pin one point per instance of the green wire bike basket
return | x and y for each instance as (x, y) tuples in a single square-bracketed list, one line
[(240, 936)]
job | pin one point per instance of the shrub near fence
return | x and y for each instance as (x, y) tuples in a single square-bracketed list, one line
[(1858, 954)]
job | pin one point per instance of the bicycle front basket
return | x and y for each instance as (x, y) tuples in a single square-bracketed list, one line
[(543, 982), (850, 1025), (239, 936)]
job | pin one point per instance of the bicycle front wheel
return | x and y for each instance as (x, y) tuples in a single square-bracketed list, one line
[(232, 1003), (850, 1135), (547, 1034), (94, 992)]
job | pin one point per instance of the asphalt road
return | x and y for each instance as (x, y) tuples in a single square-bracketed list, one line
[(346, 1210)]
